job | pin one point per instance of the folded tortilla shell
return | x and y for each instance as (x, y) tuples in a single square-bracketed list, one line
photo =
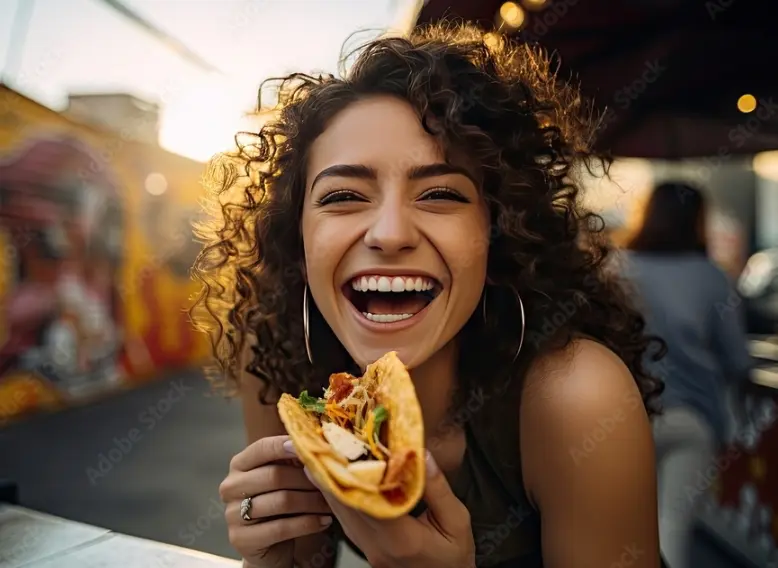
[(405, 429), (368, 471)]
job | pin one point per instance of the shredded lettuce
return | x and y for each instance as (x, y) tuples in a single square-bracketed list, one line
[(381, 414), (310, 403)]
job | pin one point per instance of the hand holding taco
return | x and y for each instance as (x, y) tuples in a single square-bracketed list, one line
[(363, 440)]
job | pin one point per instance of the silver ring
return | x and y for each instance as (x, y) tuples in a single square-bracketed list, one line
[(245, 509)]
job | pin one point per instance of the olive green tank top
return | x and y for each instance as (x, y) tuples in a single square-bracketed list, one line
[(506, 528)]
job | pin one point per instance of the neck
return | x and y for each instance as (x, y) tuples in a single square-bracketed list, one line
[(434, 381)]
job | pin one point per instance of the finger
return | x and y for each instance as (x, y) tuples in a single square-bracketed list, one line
[(292, 462), (364, 536), (312, 479), (345, 514), (289, 447), (249, 539), (263, 480), (444, 510), (261, 452), (358, 518), (280, 503)]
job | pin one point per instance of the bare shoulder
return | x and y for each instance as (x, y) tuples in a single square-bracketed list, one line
[(586, 377), (584, 400), (588, 459)]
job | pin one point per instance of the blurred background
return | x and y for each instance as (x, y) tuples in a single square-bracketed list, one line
[(109, 110)]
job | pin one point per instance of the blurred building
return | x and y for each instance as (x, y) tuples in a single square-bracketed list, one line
[(125, 115), (95, 248)]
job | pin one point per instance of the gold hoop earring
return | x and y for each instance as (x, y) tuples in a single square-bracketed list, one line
[(523, 321), (306, 325)]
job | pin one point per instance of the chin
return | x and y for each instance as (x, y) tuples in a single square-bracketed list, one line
[(412, 357), (411, 349)]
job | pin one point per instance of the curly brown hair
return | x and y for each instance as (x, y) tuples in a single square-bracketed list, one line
[(502, 104)]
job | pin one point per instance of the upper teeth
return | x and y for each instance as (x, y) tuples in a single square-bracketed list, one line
[(392, 284)]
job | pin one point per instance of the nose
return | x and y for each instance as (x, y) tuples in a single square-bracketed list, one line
[(393, 229)]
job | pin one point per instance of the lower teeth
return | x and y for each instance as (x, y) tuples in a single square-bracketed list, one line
[(387, 318)]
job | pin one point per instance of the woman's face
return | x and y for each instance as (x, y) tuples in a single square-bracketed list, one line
[(396, 240)]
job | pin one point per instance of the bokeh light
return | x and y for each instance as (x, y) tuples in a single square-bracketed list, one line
[(765, 165), (156, 183), (512, 14), (746, 103)]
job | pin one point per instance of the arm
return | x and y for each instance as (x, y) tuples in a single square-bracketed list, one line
[(588, 461), (261, 421)]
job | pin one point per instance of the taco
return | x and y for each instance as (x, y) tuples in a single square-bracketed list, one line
[(363, 440)]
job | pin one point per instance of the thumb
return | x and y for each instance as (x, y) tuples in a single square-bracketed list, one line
[(444, 510)]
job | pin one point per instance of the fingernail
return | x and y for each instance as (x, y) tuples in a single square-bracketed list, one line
[(432, 466), (325, 521), (289, 447)]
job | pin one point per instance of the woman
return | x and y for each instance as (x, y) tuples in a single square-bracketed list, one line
[(438, 160), (690, 303)]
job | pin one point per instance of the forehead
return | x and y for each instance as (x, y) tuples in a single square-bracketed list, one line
[(384, 133)]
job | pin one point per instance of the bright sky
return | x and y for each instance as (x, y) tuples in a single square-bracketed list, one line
[(85, 46)]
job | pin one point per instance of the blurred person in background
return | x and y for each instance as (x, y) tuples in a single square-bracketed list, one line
[(689, 302), (437, 160)]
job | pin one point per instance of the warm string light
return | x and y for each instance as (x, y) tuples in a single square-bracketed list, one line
[(746, 103), (512, 15), (765, 165)]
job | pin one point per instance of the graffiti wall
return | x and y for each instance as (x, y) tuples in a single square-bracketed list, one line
[(95, 245)]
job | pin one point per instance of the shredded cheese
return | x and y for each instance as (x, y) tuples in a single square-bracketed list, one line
[(383, 448), (336, 414), (356, 410), (370, 437), (335, 410)]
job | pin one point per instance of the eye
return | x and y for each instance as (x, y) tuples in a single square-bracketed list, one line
[(339, 196), (438, 193)]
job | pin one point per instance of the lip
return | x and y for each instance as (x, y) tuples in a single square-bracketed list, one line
[(378, 327)]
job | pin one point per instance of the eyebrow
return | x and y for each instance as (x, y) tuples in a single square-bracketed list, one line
[(347, 171), (441, 169), (356, 171)]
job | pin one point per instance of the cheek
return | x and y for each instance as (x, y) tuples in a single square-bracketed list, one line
[(320, 262), (467, 257), (467, 263), (324, 249)]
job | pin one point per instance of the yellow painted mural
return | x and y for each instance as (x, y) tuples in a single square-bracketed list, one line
[(95, 247)]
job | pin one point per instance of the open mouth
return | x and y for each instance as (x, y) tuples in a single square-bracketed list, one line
[(389, 299)]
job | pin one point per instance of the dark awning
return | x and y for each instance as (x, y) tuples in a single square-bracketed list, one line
[(671, 71)]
